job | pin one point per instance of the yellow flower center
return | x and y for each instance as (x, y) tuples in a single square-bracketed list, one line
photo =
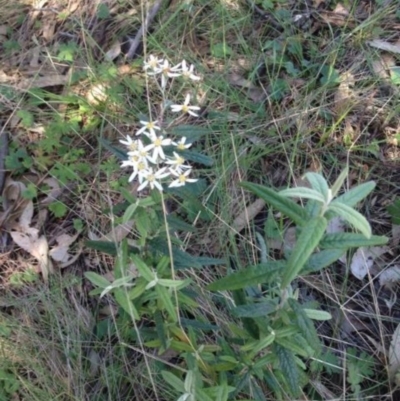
[(158, 142), (141, 166), (185, 108), (151, 178), (181, 146), (150, 125), (182, 178), (133, 146), (133, 158)]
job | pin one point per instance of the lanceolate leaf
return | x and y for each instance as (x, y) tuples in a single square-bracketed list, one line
[(97, 280), (256, 309), (339, 182), (319, 184), (117, 152), (305, 325), (289, 369), (166, 300), (350, 240), (173, 381), (301, 192), (308, 240), (356, 194), (356, 219), (247, 277), (322, 259), (286, 206)]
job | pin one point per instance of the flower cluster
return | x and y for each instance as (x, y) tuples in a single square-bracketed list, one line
[(150, 165)]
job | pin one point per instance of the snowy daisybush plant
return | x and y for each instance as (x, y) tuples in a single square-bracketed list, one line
[(147, 159)]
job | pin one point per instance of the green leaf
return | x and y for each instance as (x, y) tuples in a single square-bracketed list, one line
[(307, 241), (173, 381), (159, 322), (284, 205), (166, 301), (221, 50), (97, 280), (303, 192), (356, 219), (256, 310), (122, 155), (122, 299), (103, 11), (191, 132), (196, 157), (394, 211), (256, 346), (143, 269), (318, 314), (319, 184), (177, 224), (339, 182), (129, 212), (173, 283), (350, 240), (103, 246), (288, 367), (59, 209), (356, 194), (305, 325), (247, 277), (322, 259), (293, 344), (181, 259)]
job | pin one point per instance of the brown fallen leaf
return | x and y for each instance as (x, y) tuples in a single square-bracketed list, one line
[(113, 52), (248, 214), (59, 253), (383, 45), (43, 82), (29, 241)]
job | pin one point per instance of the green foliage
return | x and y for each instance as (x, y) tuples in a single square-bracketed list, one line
[(359, 369), (271, 333)]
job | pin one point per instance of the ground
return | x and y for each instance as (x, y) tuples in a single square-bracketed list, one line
[(285, 88)]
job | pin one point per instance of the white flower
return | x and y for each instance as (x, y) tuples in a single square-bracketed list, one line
[(157, 143), (177, 163), (168, 72), (185, 108), (153, 179), (139, 170), (182, 178), (131, 144), (142, 153), (154, 64), (188, 72), (132, 161), (182, 145), (151, 126)]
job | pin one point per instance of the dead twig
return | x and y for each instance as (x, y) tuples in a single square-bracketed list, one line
[(137, 39)]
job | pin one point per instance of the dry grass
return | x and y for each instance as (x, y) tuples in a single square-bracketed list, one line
[(273, 139)]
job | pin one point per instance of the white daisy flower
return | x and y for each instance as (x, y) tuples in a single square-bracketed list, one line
[(131, 144), (177, 163), (132, 161), (142, 153), (154, 64), (187, 72), (153, 179), (139, 170), (157, 143), (182, 145), (151, 126), (182, 178), (168, 72), (185, 108)]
